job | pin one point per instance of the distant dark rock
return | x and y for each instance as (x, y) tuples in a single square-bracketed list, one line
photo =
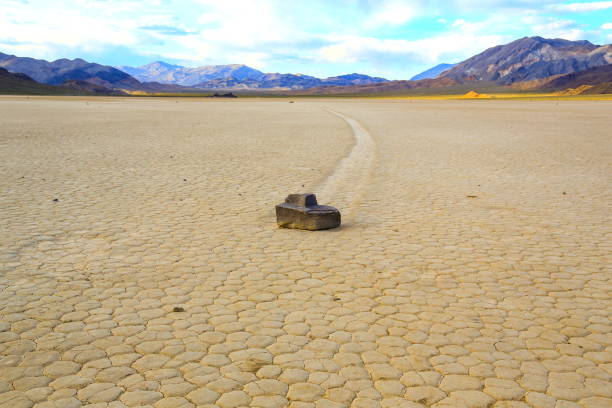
[(225, 95), (301, 211)]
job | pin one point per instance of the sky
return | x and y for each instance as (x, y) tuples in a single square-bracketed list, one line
[(394, 39)]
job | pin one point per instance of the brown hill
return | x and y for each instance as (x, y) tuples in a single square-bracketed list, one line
[(592, 76), (91, 87), (604, 88), (62, 70), (575, 91), (21, 84)]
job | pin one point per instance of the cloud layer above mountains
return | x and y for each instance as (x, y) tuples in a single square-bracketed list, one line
[(389, 38)]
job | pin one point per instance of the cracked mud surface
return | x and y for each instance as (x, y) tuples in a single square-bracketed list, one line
[(473, 271)]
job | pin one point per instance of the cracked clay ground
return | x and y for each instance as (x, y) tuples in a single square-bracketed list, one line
[(140, 263)]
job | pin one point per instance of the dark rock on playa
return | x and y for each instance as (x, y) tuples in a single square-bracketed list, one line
[(301, 211), (225, 95)]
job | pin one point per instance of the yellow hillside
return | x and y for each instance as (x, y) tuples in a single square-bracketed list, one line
[(475, 95), (575, 91)]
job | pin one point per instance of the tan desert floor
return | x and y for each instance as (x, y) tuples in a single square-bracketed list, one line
[(472, 268)]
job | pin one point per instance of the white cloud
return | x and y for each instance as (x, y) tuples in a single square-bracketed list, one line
[(553, 28), (583, 7), (241, 31), (607, 26), (494, 6), (470, 27), (393, 13), (448, 47), (245, 22), (41, 29)]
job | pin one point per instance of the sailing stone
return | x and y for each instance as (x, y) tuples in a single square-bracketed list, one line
[(301, 211)]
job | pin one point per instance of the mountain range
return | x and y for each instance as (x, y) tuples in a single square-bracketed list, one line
[(527, 63), (62, 70), (165, 73), (237, 76), (531, 58)]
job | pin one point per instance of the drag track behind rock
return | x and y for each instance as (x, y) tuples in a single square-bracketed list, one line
[(344, 186)]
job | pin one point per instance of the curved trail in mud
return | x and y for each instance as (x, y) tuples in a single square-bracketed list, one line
[(344, 186)]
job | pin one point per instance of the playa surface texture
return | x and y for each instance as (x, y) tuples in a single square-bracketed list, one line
[(141, 264)]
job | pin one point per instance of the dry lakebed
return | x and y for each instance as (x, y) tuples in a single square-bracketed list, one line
[(141, 264)]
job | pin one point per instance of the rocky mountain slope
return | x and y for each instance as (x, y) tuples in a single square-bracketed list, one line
[(21, 84), (591, 76), (433, 73), (599, 89), (62, 70), (87, 86), (165, 73), (237, 76), (352, 79), (531, 58)]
